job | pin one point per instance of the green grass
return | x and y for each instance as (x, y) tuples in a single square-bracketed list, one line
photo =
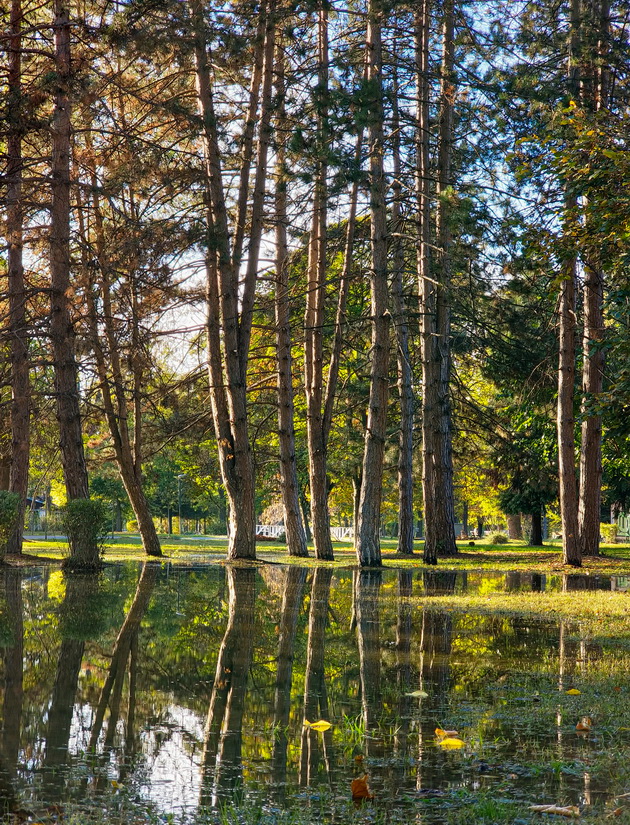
[(482, 556)]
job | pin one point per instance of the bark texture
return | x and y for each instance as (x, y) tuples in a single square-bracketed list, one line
[(435, 309), (229, 298), (62, 333), (17, 326), (367, 538), (293, 524)]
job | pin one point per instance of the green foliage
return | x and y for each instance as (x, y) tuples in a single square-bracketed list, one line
[(9, 512), (86, 522), (608, 532), (499, 538)]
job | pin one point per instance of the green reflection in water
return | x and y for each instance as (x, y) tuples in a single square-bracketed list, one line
[(152, 691)]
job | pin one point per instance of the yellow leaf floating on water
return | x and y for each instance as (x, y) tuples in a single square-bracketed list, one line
[(452, 743), (418, 694), (320, 725), (569, 810), (573, 692)]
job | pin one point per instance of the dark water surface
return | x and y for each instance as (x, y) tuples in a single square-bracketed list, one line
[(176, 688)]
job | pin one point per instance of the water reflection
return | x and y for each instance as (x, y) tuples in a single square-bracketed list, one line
[(188, 687)]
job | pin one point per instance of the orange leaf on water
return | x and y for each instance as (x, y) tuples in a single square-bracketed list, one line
[(360, 788)]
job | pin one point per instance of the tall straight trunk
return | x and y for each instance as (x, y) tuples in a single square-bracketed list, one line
[(566, 419), (314, 315), (426, 285), (405, 387), (293, 524), (61, 326), (436, 414), (590, 492), (17, 327), (367, 540), (229, 298)]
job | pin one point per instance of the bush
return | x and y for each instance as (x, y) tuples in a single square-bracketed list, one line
[(499, 538), (131, 526), (608, 533), (9, 512), (86, 522)]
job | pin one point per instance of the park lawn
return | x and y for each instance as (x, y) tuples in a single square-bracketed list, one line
[(615, 558)]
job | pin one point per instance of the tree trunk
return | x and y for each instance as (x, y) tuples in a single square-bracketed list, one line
[(515, 527), (368, 545), (439, 525), (314, 315), (61, 326), (536, 539), (426, 285), (17, 327), (590, 492), (229, 299), (566, 421), (294, 528), (405, 377), (112, 383)]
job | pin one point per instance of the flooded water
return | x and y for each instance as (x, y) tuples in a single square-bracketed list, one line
[(173, 690)]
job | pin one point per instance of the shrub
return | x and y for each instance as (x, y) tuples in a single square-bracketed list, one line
[(9, 513), (86, 522), (499, 538), (608, 533), (132, 526)]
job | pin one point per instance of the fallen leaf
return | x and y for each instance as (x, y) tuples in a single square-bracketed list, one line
[(451, 743), (573, 692), (616, 812), (585, 724), (418, 694), (320, 725), (569, 810), (360, 788), (443, 733)]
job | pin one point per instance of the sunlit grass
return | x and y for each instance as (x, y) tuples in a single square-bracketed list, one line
[(517, 555)]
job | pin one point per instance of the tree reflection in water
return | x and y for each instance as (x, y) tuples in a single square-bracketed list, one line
[(292, 597), (12, 704), (222, 769), (315, 690)]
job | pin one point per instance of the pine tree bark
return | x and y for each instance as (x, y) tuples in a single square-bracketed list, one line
[(590, 492), (440, 519), (566, 419), (405, 378), (17, 326), (368, 545), (229, 299), (314, 314), (62, 332), (293, 525)]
